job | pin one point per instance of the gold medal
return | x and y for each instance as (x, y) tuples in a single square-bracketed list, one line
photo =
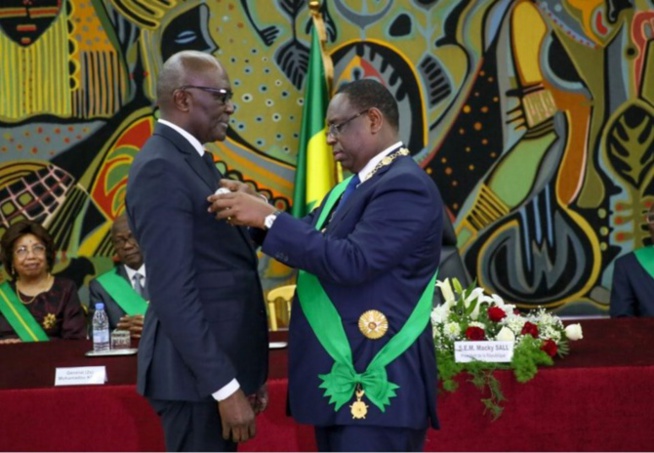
[(359, 409), (49, 321), (373, 324)]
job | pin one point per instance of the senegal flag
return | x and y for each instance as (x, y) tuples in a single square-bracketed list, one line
[(315, 172)]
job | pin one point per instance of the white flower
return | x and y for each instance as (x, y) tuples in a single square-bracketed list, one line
[(452, 330), (546, 320), (515, 322), (441, 312), (549, 332), (505, 334), (446, 290), (437, 333), (481, 325), (573, 332), (478, 295), (498, 301)]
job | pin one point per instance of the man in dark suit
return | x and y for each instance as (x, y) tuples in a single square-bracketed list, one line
[(632, 291), (122, 289), (205, 337), (362, 365)]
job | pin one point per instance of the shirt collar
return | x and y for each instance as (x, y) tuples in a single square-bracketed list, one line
[(195, 143), (131, 272), (372, 163)]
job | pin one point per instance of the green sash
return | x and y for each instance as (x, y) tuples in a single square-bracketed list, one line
[(122, 292), (645, 257), (19, 317), (341, 382)]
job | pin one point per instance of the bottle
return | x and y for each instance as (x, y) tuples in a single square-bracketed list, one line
[(100, 324)]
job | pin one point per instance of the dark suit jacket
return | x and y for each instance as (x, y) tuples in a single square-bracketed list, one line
[(379, 252), (97, 293), (632, 292), (206, 323)]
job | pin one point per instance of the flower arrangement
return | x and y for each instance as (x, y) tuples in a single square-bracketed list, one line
[(469, 314)]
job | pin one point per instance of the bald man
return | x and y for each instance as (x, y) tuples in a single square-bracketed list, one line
[(122, 289), (203, 355)]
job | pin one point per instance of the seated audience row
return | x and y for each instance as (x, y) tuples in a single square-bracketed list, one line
[(37, 306)]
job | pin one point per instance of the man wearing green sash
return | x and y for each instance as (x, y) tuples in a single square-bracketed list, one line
[(632, 292), (362, 366), (122, 289)]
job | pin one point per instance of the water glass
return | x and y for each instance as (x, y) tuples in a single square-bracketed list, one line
[(120, 339)]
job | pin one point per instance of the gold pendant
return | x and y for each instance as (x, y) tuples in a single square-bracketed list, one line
[(373, 324), (359, 409)]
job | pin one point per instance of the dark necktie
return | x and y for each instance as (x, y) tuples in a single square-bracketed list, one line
[(208, 159), (349, 190)]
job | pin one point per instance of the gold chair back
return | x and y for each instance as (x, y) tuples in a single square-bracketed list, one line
[(279, 306)]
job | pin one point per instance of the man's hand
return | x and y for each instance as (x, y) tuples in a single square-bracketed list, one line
[(240, 208), (11, 341), (237, 417), (238, 186), (259, 400), (132, 323)]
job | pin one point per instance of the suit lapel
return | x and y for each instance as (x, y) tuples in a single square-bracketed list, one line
[(200, 167), (123, 273), (191, 156), (210, 175), (364, 187)]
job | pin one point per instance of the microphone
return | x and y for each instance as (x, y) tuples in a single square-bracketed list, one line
[(221, 191)]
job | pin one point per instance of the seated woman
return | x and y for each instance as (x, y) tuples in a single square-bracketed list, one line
[(35, 305)]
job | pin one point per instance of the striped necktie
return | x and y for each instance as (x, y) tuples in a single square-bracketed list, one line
[(138, 285)]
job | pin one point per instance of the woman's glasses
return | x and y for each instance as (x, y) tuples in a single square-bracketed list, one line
[(23, 251)]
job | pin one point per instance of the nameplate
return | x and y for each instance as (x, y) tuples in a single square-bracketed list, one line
[(483, 351), (84, 375)]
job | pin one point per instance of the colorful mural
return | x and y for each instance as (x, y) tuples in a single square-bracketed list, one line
[(535, 118)]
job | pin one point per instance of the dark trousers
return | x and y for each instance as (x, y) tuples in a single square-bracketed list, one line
[(191, 426), (369, 438)]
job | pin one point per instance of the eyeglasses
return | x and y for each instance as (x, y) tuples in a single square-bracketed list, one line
[(219, 94), (336, 129), (23, 251), (120, 241)]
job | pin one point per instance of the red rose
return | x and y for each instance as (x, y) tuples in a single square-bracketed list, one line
[(496, 314), (475, 333), (530, 329), (550, 347)]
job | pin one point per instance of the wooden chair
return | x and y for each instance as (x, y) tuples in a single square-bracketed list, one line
[(279, 305)]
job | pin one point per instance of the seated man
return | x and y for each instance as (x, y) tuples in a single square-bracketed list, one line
[(633, 280), (122, 289)]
